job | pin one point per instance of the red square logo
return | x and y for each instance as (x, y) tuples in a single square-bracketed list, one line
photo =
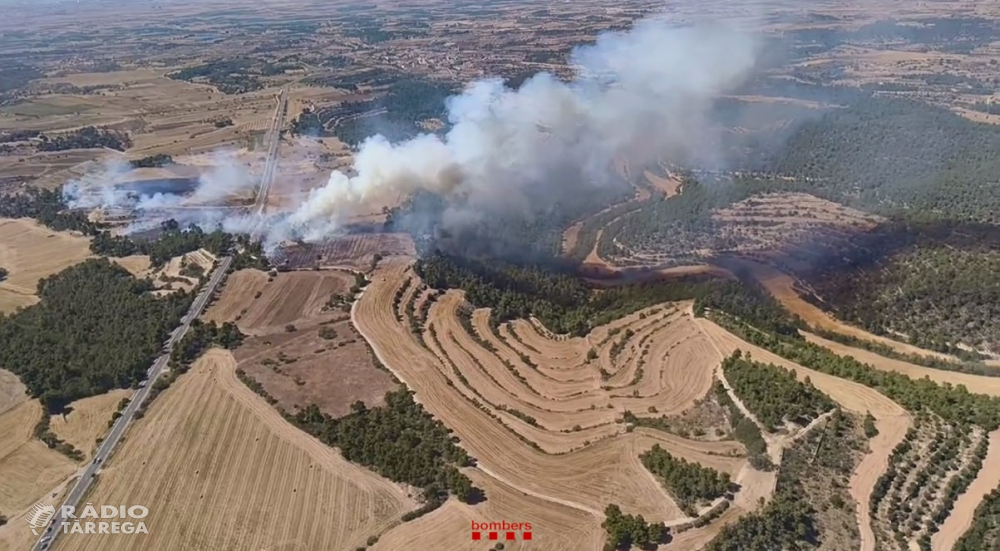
[(526, 535), (510, 536), (475, 535), (493, 535)]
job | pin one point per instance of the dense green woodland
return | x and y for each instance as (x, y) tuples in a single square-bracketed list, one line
[(86, 138), (152, 161), (567, 305), (936, 295), (625, 531), (406, 103), (170, 242), (400, 441), (95, 328), (900, 158), (785, 523), (233, 76), (689, 483), (47, 207), (773, 393)]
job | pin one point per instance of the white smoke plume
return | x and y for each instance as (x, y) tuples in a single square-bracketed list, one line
[(108, 187), (638, 95)]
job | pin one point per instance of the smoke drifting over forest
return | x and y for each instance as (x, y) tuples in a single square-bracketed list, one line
[(638, 95)]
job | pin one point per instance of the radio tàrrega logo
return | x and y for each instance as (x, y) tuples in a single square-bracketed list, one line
[(106, 519), (39, 516)]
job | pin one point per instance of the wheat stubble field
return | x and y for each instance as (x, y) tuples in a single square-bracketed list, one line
[(220, 469), (30, 252)]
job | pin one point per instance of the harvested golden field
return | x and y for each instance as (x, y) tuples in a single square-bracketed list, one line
[(12, 391), (15, 535), (260, 304), (87, 419), (975, 383), (301, 351), (220, 469), (31, 472), (28, 468), (662, 366), (510, 379), (554, 527), (177, 117), (238, 291), (29, 252), (137, 264)]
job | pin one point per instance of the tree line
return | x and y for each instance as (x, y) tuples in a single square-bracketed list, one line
[(567, 305), (199, 337), (87, 137), (773, 393), (689, 483), (954, 404), (400, 441), (624, 531), (786, 523), (745, 431), (48, 208), (985, 530), (171, 241), (152, 161)]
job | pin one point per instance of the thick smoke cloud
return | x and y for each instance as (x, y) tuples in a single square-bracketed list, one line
[(638, 95)]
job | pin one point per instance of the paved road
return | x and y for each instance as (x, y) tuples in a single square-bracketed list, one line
[(271, 163), (108, 445)]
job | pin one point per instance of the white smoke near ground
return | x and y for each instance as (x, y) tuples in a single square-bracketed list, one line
[(114, 184), (96, 188), (226, 177), (638, 95)]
